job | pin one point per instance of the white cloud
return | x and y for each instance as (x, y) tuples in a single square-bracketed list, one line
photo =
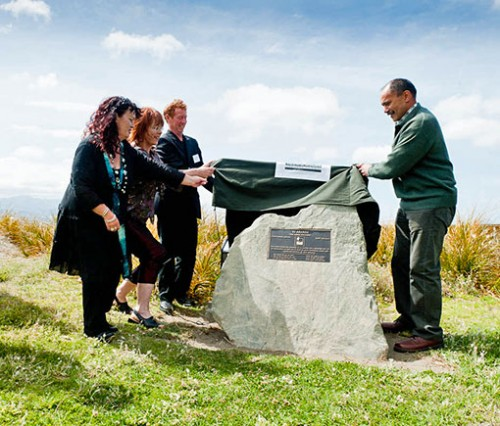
[(63, 106), (253, 110), (325, 155), (42, 81), (55, 133), (46, 81), (496, 4), (29, 152), (276, 48), (34, 170), (370, 154), (34, 8), (6, 29), (470, 118), (160, 46), (19, 175)]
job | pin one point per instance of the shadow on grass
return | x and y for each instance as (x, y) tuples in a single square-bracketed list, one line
[(476, 344), (228, 359), (39, 372), (169, 347), (16, 312)]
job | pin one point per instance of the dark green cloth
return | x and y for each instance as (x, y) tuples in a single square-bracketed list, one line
[(243, 185)]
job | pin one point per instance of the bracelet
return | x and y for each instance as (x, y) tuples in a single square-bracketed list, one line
[(105, 212), (110, 220)]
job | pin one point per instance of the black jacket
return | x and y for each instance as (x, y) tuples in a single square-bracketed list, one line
[(82, 245), (181, 155)]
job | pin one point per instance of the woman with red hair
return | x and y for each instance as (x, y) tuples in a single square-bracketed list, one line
[(140, 207)]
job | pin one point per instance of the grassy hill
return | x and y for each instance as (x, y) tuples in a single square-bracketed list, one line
[(187, 374)]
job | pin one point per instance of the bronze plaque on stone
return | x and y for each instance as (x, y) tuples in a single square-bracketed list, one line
[(308, 245)]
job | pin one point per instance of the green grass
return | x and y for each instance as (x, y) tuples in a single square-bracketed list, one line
[(51, 375)]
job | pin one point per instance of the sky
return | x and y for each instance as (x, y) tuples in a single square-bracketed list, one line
[(274, 81)]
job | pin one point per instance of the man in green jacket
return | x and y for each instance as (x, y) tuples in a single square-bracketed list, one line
[(422, 176)]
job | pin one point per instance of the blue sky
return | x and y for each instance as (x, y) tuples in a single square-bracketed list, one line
[(264, 80)]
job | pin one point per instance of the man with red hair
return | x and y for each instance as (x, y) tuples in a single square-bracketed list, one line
[(178, 210)]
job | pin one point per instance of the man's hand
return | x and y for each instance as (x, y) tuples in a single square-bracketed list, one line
[(363, 168)]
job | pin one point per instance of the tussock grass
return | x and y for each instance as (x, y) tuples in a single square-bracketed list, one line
[(470, 261), (31, 236), (472, 255), (208, 259), (383, 254)]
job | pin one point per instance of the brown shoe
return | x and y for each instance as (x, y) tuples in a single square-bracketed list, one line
[(417, 344), (395, 327)]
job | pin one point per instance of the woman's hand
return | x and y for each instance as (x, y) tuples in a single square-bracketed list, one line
[(204, 171), (110, 220), (194, 181), (112, 223)]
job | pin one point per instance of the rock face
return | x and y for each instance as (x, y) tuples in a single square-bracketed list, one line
[(320, 306)]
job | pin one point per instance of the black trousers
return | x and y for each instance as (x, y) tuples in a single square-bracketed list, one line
[(98, 296), (179, 236)]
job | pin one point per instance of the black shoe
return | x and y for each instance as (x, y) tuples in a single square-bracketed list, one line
[(137, 318), (104, 336), (123, 306), (186, 302), (167, 307), (111, 328)]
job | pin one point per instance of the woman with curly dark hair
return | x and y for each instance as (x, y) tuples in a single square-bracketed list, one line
[(89, 238)]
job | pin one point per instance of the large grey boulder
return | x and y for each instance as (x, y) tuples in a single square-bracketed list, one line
[(318, 309)]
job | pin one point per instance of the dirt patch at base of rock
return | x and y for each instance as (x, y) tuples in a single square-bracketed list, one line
[(199, 332)]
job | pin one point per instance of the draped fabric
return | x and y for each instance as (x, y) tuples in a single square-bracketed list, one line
[(248, 189), (251, 186)]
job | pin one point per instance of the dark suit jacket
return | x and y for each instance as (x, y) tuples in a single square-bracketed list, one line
[(181, 155)]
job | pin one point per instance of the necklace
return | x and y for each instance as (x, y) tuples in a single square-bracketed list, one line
[(118, 176), (119, 180)]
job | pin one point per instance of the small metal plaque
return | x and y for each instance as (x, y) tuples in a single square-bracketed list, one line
[(309, 245)]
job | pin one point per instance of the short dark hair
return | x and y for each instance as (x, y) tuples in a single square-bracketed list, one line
[(399, 85)]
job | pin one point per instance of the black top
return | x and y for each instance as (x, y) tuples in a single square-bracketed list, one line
[(82, 244)]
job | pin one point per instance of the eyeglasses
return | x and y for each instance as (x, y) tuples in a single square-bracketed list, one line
[(157, 129)]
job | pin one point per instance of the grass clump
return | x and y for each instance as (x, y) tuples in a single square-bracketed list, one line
[(470, 260), (31, 236), (211, 235), (472, 255)]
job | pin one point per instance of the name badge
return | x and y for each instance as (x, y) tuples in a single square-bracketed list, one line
[(196, 158)]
